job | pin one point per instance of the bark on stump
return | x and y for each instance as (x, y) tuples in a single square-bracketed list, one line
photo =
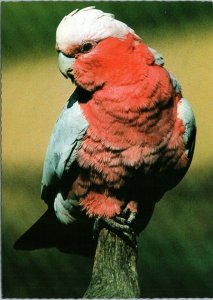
[(115, 268)]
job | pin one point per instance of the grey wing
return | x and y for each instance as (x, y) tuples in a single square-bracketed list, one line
[(184, 110), (63, 147), (185, 113)]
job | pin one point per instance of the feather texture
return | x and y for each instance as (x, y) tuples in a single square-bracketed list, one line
[(64, 143), (127, 134)]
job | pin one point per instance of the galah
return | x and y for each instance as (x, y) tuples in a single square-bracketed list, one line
[(126, 135)]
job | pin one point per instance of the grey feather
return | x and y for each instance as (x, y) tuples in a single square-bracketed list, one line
[(64, 143), (158, 57), (185, 113)]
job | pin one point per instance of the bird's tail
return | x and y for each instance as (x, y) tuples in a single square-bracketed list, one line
[(48, 232)]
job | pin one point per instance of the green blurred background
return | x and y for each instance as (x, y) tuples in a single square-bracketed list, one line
[(175, 251)]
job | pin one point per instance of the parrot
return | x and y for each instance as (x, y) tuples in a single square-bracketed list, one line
[(126, 135)]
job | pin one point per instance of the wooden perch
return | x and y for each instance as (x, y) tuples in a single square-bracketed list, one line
[(114, 271)]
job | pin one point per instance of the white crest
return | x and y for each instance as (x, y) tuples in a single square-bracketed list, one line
[(89, 24)]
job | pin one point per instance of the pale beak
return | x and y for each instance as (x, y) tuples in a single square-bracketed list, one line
[(66, 65)]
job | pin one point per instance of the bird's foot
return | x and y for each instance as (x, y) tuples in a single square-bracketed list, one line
[(117, 224), (121, 225), (129, 215)]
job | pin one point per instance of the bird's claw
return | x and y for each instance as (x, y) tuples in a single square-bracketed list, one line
[(117, 224), (131, 215), (120, 224)]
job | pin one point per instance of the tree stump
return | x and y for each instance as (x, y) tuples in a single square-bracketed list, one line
[(115, 268)]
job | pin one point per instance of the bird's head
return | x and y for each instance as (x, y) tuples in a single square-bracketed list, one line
[(94, 48)]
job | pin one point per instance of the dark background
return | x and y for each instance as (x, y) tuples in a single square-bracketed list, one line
[(175, 251)]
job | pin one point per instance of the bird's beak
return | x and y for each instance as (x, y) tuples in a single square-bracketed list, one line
[(66, 65)]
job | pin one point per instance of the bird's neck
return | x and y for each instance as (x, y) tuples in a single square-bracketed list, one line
[(126, 103)]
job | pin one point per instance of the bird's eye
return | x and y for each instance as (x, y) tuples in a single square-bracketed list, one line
[(86, 47)]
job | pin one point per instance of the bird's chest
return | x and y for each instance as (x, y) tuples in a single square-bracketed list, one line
[(104, 157), (113, 150)]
